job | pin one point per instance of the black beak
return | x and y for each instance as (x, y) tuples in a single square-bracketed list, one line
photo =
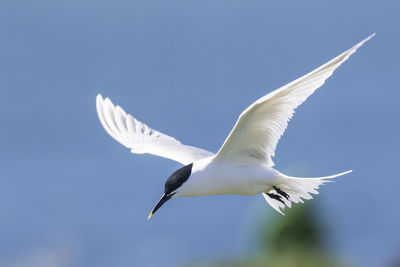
[(164, 198)]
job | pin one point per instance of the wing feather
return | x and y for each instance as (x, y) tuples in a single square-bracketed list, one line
[(140, 138), (254, 138)]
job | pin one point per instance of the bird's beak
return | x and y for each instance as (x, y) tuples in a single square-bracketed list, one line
[(162, 200)]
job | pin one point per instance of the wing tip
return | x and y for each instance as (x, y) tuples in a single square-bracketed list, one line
[(99, 100), (344, 173), (366, 39), (369, 37), (109, 102), (354, 48), (99, 105)]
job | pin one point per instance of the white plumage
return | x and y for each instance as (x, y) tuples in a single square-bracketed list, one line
[(243, 165), (260, 126), (140, 138)]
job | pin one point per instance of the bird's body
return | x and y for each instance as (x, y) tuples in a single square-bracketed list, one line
[(243, 165), (210, 177)]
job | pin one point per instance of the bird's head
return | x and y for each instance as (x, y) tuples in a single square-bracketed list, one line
[(172, 186)]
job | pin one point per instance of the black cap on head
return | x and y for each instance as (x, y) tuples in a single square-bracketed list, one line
[(177, 179), (172, 184)]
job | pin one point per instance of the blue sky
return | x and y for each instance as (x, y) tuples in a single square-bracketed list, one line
[(70, 194)]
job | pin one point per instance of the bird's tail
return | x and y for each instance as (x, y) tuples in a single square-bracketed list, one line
[(295, 189)]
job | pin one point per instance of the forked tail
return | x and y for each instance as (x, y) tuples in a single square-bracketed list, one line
[(295, 189)]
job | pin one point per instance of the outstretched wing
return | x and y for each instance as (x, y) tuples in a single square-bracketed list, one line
[(254, 138), (140, 138)]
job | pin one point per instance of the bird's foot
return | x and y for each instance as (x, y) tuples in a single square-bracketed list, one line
[(276, 197), (280, 192)]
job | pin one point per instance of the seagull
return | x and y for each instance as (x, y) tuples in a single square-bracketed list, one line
[(243, 165)]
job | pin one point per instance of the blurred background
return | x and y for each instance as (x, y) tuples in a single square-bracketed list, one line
[(72, 196)]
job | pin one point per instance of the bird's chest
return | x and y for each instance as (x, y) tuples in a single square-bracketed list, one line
[(215, 180)]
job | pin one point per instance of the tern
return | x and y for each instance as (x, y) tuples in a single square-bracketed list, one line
[(243, 165)]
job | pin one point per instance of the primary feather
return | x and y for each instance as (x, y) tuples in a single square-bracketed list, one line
[(140, 138), (254, 138)]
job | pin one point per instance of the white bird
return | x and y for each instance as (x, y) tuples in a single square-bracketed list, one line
[(243, 165)]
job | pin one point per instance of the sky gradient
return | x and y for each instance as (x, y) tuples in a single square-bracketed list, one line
[(72, 196)]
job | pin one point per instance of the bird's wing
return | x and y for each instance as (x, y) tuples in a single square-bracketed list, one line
[(254, 138), (140, 138)]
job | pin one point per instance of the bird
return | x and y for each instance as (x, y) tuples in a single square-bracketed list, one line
[(243, 165)]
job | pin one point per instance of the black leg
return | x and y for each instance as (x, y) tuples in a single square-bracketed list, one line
[(275, 196), (282, 193)]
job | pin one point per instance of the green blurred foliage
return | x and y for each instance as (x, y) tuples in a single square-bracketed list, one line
[(298, 229), (294, 240)]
